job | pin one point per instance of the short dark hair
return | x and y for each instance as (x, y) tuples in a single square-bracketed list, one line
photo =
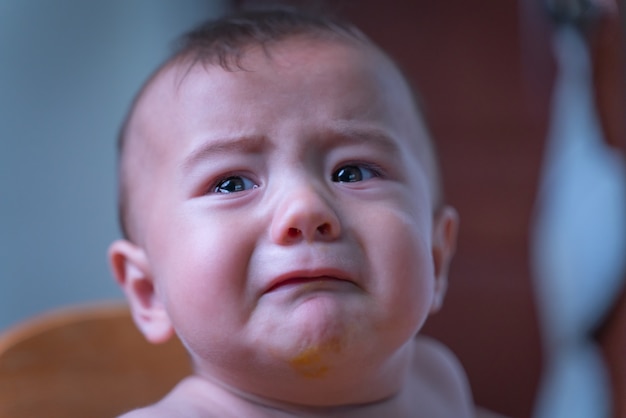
[(223, 41)]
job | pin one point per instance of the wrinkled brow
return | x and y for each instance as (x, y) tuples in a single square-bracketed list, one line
[(346, 135), (339, 137), (223, 146)]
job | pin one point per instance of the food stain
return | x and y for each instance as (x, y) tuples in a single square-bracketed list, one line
[(310, 362)]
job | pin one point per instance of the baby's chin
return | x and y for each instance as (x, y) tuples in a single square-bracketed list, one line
[(315, 352), (321, 341), (315, 338), (311, 358)]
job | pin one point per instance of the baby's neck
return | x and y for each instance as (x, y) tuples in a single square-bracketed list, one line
[(210, 398), (433, 386)]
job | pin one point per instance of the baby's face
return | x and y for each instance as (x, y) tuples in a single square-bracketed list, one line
[(286, 216)]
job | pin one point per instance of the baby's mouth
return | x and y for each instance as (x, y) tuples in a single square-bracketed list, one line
[(316, 280)]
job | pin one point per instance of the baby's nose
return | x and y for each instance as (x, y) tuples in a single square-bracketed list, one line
[(304, 215)]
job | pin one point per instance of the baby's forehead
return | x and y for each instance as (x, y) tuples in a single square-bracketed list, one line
[(175, 85)]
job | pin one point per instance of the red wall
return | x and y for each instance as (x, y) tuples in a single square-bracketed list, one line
[(488, 111)]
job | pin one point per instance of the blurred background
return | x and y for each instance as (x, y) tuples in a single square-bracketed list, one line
[(68, 72), (525, 98)]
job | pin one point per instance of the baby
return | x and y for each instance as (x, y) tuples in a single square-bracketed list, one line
[(283, 216)]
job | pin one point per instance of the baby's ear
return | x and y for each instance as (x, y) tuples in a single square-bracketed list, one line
[(132, 271), (445, 227)]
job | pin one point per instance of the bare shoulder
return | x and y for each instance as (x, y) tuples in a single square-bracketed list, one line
[(441, 383), (162, 409), (445, 376), (182, 401), (441, 368), (149, 411)]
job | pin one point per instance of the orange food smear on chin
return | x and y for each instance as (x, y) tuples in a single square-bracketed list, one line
[(310, 362)]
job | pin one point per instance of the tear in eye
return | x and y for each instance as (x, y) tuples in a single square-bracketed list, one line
[(353, 173), (234, 184)]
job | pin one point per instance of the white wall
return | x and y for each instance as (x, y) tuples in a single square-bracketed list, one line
[(68, 71)]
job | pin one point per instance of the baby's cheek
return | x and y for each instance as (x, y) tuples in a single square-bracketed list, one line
[(204, 293), (401, 260)]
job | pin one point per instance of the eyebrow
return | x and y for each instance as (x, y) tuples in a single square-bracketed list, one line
[(337, 137), (224, 146), (350, 135)]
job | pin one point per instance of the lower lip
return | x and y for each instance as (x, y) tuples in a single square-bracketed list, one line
[(317, 283)]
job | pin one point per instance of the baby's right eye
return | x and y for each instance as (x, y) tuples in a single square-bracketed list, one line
[(234, 184)]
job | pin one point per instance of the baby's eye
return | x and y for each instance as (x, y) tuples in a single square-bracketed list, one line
[(353, 173), (234, 184)]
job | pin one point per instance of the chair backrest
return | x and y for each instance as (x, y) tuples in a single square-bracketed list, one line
[(85, 361)]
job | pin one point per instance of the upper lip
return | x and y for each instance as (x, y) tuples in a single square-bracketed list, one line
[(317, 273)]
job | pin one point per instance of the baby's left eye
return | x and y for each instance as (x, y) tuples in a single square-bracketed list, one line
[(353, 173), (234, 184)]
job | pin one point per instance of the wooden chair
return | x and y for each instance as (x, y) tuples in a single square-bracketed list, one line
[(85, 361)]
